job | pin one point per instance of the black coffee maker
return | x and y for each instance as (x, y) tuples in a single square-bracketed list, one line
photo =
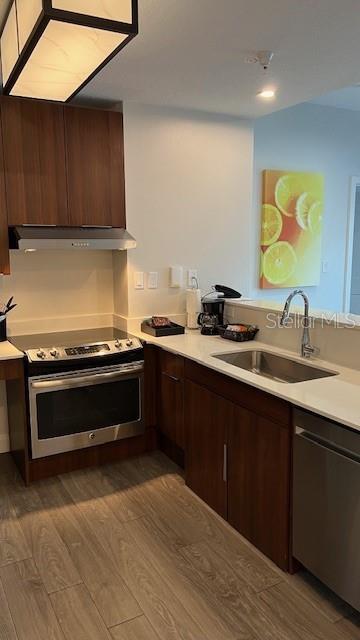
[(213, 304)]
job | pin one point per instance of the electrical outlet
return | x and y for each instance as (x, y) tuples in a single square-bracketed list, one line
[(152, 280), (193, 278), (139, 279)]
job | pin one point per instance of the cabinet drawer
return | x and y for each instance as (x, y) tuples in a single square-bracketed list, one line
[(172, 365), (241, 394)]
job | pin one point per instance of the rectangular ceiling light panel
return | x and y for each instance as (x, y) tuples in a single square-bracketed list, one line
[(48, 53), (118, 10), (28, 12), (9, 45), (64, 57)]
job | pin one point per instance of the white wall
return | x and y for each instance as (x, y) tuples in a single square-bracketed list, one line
[(59, 290), (188, 197), (312, 138)]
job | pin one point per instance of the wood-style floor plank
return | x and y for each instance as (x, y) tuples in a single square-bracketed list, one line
[(78, 615), (232, 599), (147, 489), (156, 563), (107, 483), (329, 604), (350, 627), (259, 572), (155, 596), (177, 573), (178, 505), (138, 629), (141, 497), (29, 604), (93, 562), (297, 615), (51, 556), (13, 545), (7, 629)]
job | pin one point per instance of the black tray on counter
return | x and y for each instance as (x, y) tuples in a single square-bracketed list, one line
[(161, 332)]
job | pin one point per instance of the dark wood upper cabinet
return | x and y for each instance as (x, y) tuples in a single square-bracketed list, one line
[(207, 419), (34, 162), (4, 240), (95, 167)]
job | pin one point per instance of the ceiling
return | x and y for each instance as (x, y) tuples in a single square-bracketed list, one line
[(190, 54), (348, 98)]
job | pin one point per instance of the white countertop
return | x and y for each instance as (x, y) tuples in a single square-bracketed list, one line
[(337, 397), (9, 352)]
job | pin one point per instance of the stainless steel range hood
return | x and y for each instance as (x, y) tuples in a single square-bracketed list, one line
[(31, 238)]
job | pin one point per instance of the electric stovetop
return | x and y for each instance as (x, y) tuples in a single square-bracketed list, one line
[(67, 338)]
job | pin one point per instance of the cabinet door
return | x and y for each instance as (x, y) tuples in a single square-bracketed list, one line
[(171, 409), (259, 483), (34, 162), (207, 420), (95, 167), (4, 238)]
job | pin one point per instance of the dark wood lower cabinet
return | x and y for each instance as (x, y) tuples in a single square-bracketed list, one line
[(259, 483), (248, 481), (171, 406), (207, 419), (171, 418)]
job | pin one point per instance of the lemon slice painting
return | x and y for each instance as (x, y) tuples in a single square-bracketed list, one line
[(291, 228)]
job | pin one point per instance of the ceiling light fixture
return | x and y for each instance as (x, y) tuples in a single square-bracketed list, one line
[(267, 94), (50, 49)]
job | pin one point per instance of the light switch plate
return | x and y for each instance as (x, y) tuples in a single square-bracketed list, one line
[(176, 277), (152, 280), (139, 279)]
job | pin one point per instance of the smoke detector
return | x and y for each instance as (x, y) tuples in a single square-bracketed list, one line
[(264, 58)]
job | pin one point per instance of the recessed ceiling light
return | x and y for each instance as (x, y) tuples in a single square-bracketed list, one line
[(267, 94)]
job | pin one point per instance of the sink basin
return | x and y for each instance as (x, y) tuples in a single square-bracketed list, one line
[(270, 365)]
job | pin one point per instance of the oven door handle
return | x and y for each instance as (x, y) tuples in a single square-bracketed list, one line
[(75, 381)]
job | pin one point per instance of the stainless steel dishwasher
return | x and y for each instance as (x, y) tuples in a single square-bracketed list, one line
[(326, 503)]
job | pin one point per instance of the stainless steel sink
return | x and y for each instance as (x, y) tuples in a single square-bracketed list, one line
[(275, 367)]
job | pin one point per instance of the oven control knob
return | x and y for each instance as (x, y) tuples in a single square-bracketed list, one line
[(54, 352), (91, 436), (118, 344), (41, 354), (129, 343)]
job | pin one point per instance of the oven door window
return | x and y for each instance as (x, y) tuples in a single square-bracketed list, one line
[(69, 411)]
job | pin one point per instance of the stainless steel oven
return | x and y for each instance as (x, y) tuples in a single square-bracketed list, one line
[(82, 408)]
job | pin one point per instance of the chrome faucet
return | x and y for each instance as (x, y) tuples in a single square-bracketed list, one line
[(307, 349)]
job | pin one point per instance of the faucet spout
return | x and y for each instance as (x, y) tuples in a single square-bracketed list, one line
[(307, 349)]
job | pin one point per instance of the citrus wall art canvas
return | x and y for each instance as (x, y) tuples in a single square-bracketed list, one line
[(291, 229)]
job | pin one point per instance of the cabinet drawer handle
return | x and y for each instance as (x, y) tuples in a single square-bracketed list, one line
[(167, 375), (225, 464)]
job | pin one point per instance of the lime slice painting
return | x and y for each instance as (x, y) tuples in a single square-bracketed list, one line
[(291, 229)]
